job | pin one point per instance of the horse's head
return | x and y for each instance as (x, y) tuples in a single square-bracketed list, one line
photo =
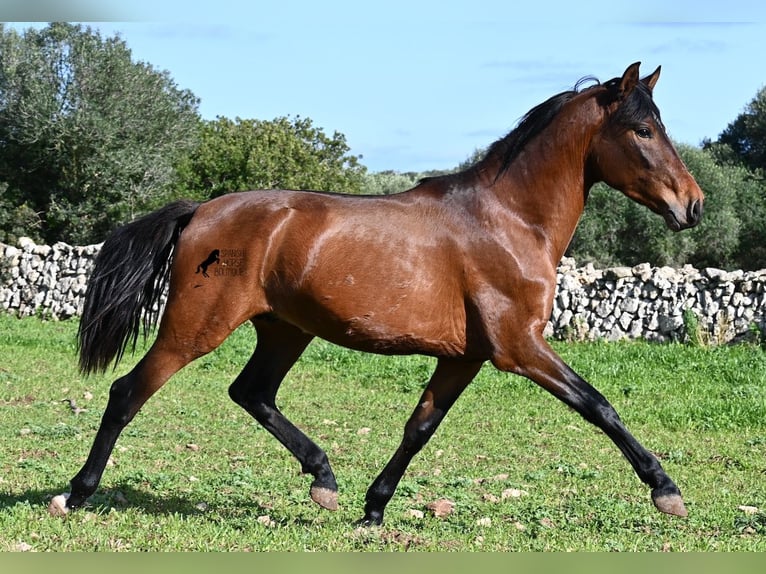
[(631, 152)]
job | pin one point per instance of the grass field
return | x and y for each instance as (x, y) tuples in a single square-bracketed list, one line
[(195, 472)]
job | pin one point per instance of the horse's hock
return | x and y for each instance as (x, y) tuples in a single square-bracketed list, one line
[(653, 303)]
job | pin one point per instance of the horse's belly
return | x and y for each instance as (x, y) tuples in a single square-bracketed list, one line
[(402, 335), (384, 325)]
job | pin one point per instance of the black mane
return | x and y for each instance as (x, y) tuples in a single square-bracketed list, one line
[(634, 109), (532, 123)]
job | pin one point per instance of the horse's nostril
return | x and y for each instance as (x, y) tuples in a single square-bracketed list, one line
[(695, 212)]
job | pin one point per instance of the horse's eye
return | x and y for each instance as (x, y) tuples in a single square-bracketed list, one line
[(644, 133)]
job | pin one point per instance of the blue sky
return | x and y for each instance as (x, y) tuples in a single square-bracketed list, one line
[(417, 85)]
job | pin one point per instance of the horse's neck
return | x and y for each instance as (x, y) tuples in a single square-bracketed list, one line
[(547, 184)]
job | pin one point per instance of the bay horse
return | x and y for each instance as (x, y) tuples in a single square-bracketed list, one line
[(462, 267)]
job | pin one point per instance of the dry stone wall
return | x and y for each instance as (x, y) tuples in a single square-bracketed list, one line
[(653, 303), (44, 280), (658, 303)]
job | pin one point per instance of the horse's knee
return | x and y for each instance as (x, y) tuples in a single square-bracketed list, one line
[(597, 410), (418, 431)]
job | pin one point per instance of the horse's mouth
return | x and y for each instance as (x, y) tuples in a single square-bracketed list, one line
[(672, 221), (690, 219)]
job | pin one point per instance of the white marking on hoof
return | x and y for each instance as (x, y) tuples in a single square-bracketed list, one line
[(57, 507)]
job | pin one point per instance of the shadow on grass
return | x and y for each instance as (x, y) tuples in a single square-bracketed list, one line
[(124, 496)]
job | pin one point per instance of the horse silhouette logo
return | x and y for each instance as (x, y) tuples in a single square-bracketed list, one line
[(214, 257)]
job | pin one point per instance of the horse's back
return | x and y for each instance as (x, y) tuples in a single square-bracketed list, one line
[(377, 274)]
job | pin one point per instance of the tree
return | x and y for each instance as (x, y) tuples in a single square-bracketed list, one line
[(746, 135), (388, 182), (15, 220), (284, 153), (87, 136)]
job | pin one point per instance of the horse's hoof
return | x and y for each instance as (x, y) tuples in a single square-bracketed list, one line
[(671, 504), (57, 507), (325, 497)]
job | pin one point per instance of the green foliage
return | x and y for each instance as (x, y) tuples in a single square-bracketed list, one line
[(746, 135), (87, 135), (388, 182), (16, 220), (284, 153), (717, 238), (692, 328), (477, 155)]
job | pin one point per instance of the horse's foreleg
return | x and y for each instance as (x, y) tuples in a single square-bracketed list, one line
[(445, 386), (126, 397), (255, 389), (547, 369)]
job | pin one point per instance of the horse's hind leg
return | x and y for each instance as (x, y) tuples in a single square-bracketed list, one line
[(126, 397), (279, 346)]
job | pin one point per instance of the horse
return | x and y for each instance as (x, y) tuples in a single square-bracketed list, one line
[(462, 267)]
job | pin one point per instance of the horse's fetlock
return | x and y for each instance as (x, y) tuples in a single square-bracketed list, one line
[(372, 518), (318, 465)]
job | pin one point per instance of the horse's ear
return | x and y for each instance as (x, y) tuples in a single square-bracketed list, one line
[(628, 81), (651, 80)]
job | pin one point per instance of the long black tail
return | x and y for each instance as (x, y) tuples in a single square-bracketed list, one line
[(127, 282)]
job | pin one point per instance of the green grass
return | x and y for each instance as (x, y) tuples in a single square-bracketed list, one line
[(195, 472)]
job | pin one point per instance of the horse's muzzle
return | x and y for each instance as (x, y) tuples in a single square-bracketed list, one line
[(692, 217)]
